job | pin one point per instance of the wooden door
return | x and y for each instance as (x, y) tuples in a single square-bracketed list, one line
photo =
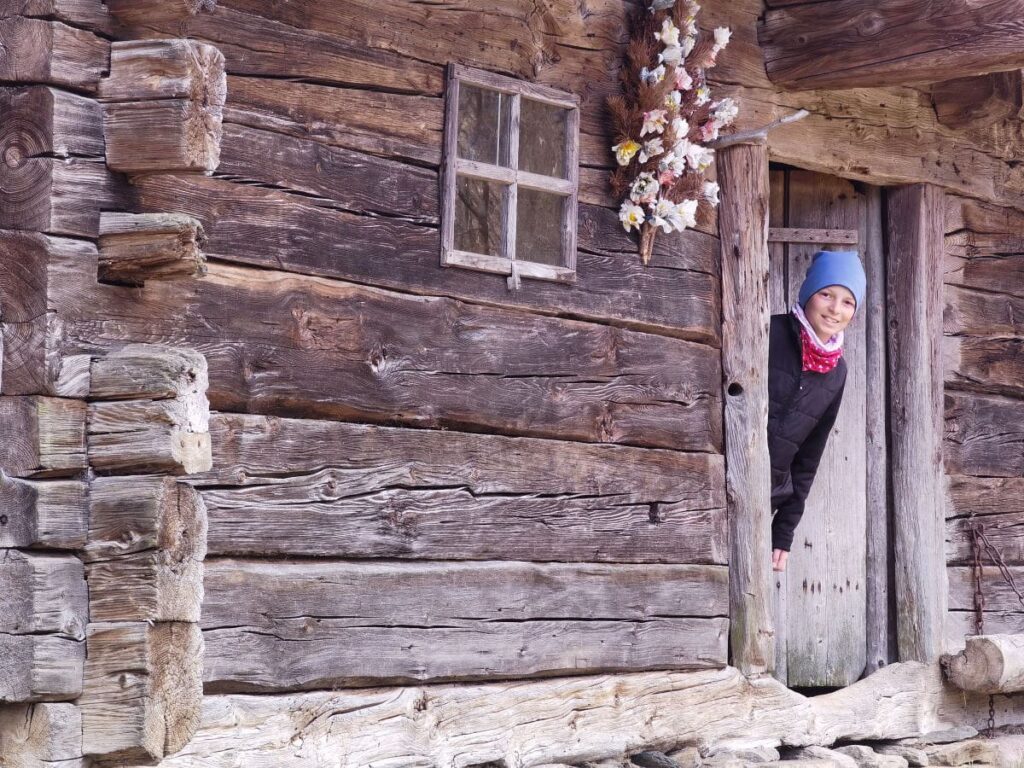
[(821, 598)]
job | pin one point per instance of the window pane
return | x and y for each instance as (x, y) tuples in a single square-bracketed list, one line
[(542, 138), (479, 216), (539, 217), (483, 125)]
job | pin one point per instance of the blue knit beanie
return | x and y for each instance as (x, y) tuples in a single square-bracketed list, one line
[(834, 268)]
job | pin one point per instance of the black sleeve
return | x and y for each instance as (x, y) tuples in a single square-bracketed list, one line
[(804, 468)]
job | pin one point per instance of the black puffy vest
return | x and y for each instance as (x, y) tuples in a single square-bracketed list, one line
[(802, 408)]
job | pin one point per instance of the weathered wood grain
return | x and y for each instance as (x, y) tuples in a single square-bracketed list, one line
[(40, 668), (40, 51), (984, 495), (146, 70), (91, 14), (974, 101), (149, 436), (743, 175), (147, 541), (849, 43), (42, 735), (42, 593), (1004, 530), (150, 371), (310, 516), (984, 364), (150, 246), (32, 361), (984, 435), (999, 596), (1001, 273), (979, 313), (41, 120), (678, 295), (286, 344), (989, 664), (143, 689), (43, 514), (306, 654), (45, 436), (60, 196), (916, 218), (567, 720), (260, 594), (140, 12), (165, 135)]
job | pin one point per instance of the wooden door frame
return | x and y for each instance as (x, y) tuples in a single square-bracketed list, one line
[(914, 237)]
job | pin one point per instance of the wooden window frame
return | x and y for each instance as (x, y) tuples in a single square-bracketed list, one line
[(511, 178)]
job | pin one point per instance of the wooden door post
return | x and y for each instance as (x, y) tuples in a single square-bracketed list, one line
[(915, 233), (743, 227)]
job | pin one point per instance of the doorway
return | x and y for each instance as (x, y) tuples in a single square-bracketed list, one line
[(827, 605)]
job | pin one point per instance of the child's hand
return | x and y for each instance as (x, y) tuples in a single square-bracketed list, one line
[(779, 559)]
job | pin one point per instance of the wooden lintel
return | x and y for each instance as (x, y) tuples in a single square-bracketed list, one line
[(853, 43), (797, 235)]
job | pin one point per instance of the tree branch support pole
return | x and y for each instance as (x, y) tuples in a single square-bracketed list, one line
[(743, 227), (915, 232)]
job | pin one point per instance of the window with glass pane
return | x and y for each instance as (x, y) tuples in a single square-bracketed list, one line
[(510, 177)]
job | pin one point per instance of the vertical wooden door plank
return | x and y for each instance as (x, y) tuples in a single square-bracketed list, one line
[(743, 226), (826, 595), (915, 235), (877, 579), (777, 298)]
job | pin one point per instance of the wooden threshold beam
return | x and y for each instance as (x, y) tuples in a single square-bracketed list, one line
[(855, 43)]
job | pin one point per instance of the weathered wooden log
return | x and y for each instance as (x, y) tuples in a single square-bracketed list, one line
[(135, 248), (143, 689), (451, 363), (346, 496), (977, 313), (60, 196), (999, 595), (568, 720), (914, 288), (989, 664), (147, 541), (743, 220), (49, 514), (45, 436), (147, 70), (984, 364), (164, 106), (149, 436), (40, 668), (985, 496), (977, 101), (310, 654), (144, 12), (978, 431), (42, 593), (41, 120), (848, 43), (42, 736), (155, 371), (437, 621), (33, 362), (39, 51), (680, 289), (167, 135)]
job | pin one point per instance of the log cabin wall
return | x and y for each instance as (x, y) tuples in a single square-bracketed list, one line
[(984, 430)]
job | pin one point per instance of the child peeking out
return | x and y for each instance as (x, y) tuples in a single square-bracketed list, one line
[(806, 376)]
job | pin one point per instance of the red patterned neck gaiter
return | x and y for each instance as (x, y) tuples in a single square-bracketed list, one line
[(814, 357)]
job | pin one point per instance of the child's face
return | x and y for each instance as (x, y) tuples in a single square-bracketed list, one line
[(830, 310)]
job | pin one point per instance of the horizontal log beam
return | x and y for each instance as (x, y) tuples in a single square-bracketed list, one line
[(989, 664), (46, 436), (168, 135), (144, 12), (415, 360), (827, 236), (143, 689), (40, 51), (42, 593), (38, 735), (40, 120), (985, 495), (148, 70), (48, 514), (40, 668), (151, 371), (148, 436), (337, 654), (135, 248), (852, 43), (984, 435)]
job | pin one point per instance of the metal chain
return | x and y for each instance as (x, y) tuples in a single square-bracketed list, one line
[(978, 538)]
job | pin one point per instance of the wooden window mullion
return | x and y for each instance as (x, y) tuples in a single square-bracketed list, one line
[(512, 196)]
